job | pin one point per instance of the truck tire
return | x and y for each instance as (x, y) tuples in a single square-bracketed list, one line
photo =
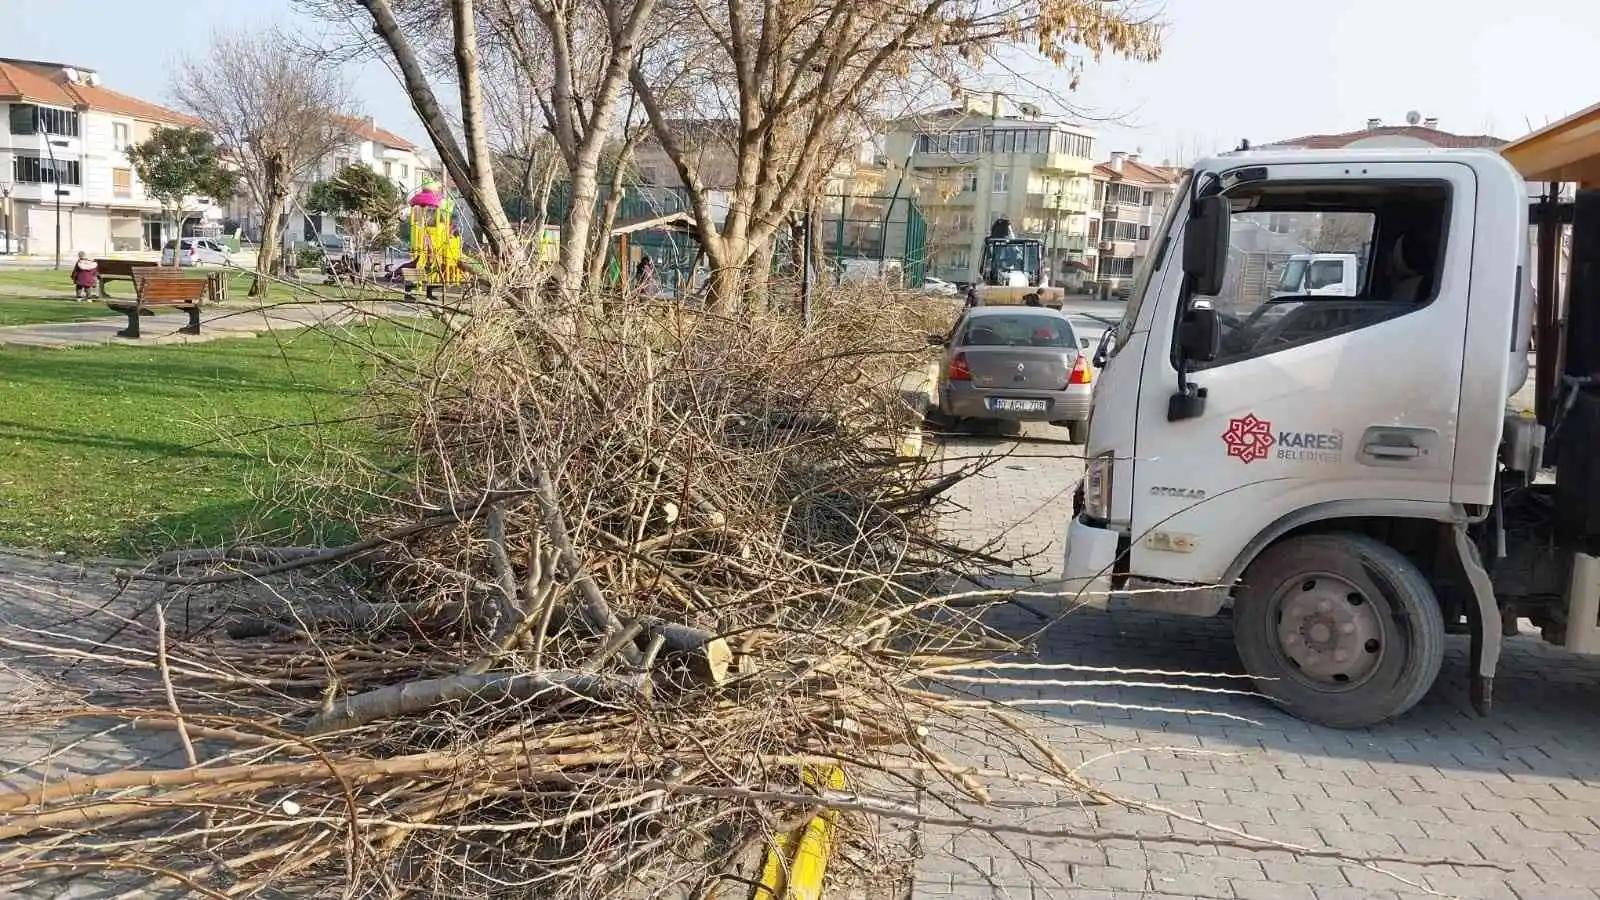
[(1338, 629)]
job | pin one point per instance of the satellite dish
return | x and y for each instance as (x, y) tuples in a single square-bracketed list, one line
[(1413, 117)]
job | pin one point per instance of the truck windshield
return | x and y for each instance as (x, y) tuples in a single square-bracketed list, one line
[(1293, 273), (1151, 262)]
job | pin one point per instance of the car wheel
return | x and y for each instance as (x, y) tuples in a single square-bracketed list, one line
[(1338, 629)]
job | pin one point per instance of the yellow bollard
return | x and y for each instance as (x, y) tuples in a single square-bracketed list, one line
[(797, 863)]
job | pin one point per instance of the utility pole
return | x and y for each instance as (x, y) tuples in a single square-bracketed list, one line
[(5, 214), (986, 169), (55, 174)]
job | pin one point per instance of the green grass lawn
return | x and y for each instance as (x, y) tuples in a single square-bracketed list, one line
[(124, 450), (33, 296), (49, 310)]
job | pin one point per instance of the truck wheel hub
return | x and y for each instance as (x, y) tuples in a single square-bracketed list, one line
[(1329, 630)]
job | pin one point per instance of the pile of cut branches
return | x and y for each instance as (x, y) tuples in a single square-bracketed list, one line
[(636, 576)]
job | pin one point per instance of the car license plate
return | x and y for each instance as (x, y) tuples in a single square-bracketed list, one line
[(1005, 404)]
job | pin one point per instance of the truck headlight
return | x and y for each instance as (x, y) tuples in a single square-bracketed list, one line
[(1097, 487)]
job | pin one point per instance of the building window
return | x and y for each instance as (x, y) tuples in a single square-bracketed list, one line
[(1116, 266), (1146, 198), (1099, 193), (969, 182), (960, 259), (1094, 230), (29, 119), (37, 170), (956, 142), (405, 171), (1002, 181), (388, 169), (119, 135), (1120, 231), (1144, 232), (1072, 144), (122, 182), (340, 163)]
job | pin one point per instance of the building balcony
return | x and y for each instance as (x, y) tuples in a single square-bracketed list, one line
[(1078, 206), (1118, 249), (1060, 162), (1072, 243)]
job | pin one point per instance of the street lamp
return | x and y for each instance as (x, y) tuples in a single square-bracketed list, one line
[(55, 173), (5, 215)]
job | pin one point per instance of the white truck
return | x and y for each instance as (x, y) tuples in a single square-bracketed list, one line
[(1344, 472), (1320, 275)]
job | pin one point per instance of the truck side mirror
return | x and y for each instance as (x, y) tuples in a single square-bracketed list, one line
[(1200, 333), (1205, 245), (1102, 351)]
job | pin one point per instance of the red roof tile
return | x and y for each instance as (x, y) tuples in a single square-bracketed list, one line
[(1431, 135), (367, 131), (1138, 173), (37, 82)]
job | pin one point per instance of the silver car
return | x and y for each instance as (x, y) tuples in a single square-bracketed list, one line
[(1015, 363)]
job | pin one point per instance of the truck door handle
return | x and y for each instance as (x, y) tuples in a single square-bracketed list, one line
[(1392, 451), (1397, 445)]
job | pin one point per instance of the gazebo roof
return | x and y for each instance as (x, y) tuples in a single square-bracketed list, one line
[(1568, 150)]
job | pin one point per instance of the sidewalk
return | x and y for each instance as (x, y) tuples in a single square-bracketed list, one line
[(231, 320)]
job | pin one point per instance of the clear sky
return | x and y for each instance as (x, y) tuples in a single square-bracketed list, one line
[(1262, 69)]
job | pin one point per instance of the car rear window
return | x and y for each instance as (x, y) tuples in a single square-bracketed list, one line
[(1019, 330)]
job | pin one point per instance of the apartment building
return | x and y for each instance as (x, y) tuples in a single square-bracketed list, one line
[(63, 165), (971, 164), (1130, 199), (385, 152)]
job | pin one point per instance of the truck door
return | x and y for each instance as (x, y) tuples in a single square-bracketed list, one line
[(1316, 399)]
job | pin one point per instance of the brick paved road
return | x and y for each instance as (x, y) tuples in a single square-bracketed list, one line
[(1521, 788)]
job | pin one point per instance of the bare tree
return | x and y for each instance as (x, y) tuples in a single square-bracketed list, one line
[(276, 115), (786, 77), (572, 60), (1342, 232)]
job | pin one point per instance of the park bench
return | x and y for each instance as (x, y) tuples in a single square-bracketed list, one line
[(216, 282), (119, 269), (162, 291)]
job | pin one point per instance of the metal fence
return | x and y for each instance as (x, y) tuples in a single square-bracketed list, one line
[(873, 235), (876, 234)]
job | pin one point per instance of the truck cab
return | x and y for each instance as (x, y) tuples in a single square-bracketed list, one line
[(1342, 471), (1320, 275)]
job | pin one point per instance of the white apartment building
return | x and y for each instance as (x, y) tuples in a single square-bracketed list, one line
[(63, 166), (971, 164), (385, 152), (1130, 198)]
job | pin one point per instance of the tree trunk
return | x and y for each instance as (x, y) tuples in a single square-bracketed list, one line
[(271, 239), (758, 275), (490, 214), (600, 247), (575, 232), (725, 288)]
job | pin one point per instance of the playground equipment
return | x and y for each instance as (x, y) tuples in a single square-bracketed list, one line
[(435, 244)]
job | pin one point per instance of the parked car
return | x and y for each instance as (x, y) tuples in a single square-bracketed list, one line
[(9, 244), (196, 251), (938, 286), (334, 244), (1015, 363)]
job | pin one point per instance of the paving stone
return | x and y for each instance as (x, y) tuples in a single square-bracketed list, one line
[(1520, 788)]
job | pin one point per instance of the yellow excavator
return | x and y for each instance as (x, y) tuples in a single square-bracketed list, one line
[(1010, 269)]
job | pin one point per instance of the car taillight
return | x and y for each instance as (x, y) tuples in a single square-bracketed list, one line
[(958, 369), (1081, 371)]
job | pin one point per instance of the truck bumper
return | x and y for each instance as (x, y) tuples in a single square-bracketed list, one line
[(1086, 571)]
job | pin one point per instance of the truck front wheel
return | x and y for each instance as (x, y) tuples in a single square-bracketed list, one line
[(1338, 629)]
